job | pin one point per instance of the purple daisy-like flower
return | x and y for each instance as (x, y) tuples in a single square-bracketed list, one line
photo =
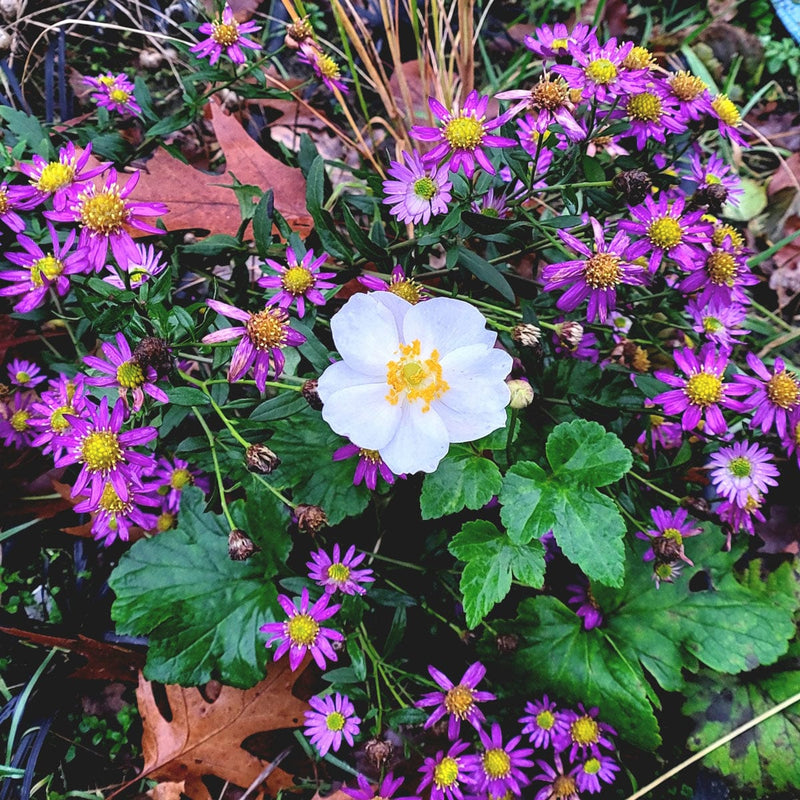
[(498, 770), (719, 323), (126, 373), (401, 285), (772, 394), (590, 772), (666, 571), (720, 275), (584, 734), (651, 113), (668, 435), (418, 192), (262, 337), (171, 476), (462, 135), (740, 518), (535, 144), (114, 92), (588, 609), (385, 791), (332, 719), (596, 276), (96, 441), (339, 573), (114, 517), (325, 68), (728, 118), (542, 722), (458, 700), (25, 373), (716, 173), (13, 199), (103, 213), (551, 42), (369, 466), (571, 340), (691, 94), (299, 281), (741, 471), (302, 631), (66, 398), (667, 535), (225, 35), (446, 773), (42, 269), (558, 785), (16, 421), (148, 263), (703, 392)]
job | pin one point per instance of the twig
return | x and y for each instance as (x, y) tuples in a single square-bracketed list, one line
[(266, 772)]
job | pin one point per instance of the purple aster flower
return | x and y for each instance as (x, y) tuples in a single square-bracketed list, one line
[(667, 535), (16, 421), (126, 373), (114, 92), (148, 263), (666, 230), (551, 42), (385, 791), (25, 373), (171, 476), (104, 213), (720, 274), (584, 734), (558, 785), (728, 118), (571, 340), (716, 173), (447, 773), (462, 134), (719, 323), (772, 394), (666, 571), (458, 700), (596, 276), (339, 573), (739, 518), (302, 631), (691, 94), (370, 465), (333, 718), (588, 608), (594, 769), (498, 770), (42, 270), (113, 517), (668, 435), (652, 113), (407, 288), (742, 471), (66, 398), (542, 722), (299, 281), (262, 337), (534, 144), (13, 199), (56, 178), (96, 442), (418, 192), (703, 392), (325, 68), (226, 35)]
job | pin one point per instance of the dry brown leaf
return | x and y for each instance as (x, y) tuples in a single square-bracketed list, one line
[(205, 738), (169, 790)]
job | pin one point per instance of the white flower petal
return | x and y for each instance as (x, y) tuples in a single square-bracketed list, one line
[(395, 304), (466, 419), (362, 414), (444, 324), (419, 444), (365, 334), (340, 376), (475, 361)]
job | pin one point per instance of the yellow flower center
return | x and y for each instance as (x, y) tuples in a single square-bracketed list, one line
[(496, 763), (601, 71), (752, 503), (54, 176), (712, 325), (638, 58), (110, 501), (22, 377), (328, 67), (297, 280), (19, 420), (656, 420), (409, 290), (103, 213), (445, 773), (721, 268), (3, 201), (302, 629), (559, 44), (101, 451), (592, 766), (645, 107), (58, 423), (665, 232), (338, 572), (674, 534), (459, 700), (464, 133), (425, 188), (584, 731), (334, 721), (225, 34), (106, 80), (48, 267), (686, 87), (370, 455), (602, 271), (703, 389), (563, 786), (549, 94), (665, 571), (414, 377), (795, 434), (783, 389), (119, 96), (165, 522), (130, 374), (726, 110), (545, 720), (267, 329), (722, 232), (181, 478), (740, 467)]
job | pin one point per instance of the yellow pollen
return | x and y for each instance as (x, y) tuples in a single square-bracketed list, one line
[(267, 329), (3, 201), (723, 232), (370, 455), (110, 501), (225, 34), (414, 377), (103, 213), (783, 390), (563, 786), (601, 71), (445, 773), (665, 571), (409, 290), (559, 44), (46, 268), (302, 629), (584, 731), (181, 478), (496, 763), (795, 434), (703, 389), (656, 421), (740, 467), (22, 377), (58, 423), (334, 721), (726, 110), (130, 374), (459, 700), (297, 280), (674, 534), (338, 572), (645, 107), (55, 176), (712, 179), (640, 360), (638, 58), (106, 80), (119, 96), (752, 503), (101, 451), (464, 132), (425, 188), (19, 420), (665, 232), (549, 94), (592, 766), (686, 87), (602, 271), (545, 720), (328, 67), (712, 325), (721, 268), (166, 522)]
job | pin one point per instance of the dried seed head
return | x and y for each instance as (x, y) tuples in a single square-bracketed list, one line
[(154, 352), (507, 643), (698, 506), (633, 184), (240, 546), (298, 33), (311, 395), (527, 334), (310, 519), (569, 334), (378, 751), (259, 458), (712, 197)]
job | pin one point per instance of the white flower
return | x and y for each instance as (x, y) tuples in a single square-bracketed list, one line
[(413, 378)]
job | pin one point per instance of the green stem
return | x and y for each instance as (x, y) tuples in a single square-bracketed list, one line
[(217, 471), (655, 488), (220, 413), (282, 497), (769, 315)]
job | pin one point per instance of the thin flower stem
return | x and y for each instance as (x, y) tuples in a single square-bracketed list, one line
[(771, 316), (282, 497), (714, 745), (406, 564), (212, 444), (377, 662), (655, 488), (220, 413)]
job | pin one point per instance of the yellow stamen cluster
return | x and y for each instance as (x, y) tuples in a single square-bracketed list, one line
[(22, 377), (297, 280), (783, 390), (3, 201), (55, 176), (58, 423), (181, 478), (721, 268), (686, 87), (645, 107), (406, 288), (302, 629), (414, 377), (338, 572), (726, 110), (267, 329), (496, 763), (563, 787), (334, 721), (464, 132), (711, 325), (584, 731), (19, 420), (425, 188), (459, 700), (445, 773), (110, 501), (549, 93), (130, 374), (665, 232), (591, 766), (373, 456), (740, 467), (703, 389), (601, 71), (225, 34), (602, 271), (104, 213), (722, 232), (674, 534), (639, 58), (101, 451), (165, 522), (545, 720), (328, 67), (46, 268), (119, 96)]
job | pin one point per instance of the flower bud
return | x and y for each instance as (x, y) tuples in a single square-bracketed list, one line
[(310, 519), (521, 393), (154, 352), (309, 392), (259, 458), (633, 184), (527, 334), (569, 334), (297, 33), (240, 546)]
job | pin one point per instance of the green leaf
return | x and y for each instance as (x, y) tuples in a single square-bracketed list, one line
[(262, 223), (583, 452), (491, 560), (529, 502), (27, 129), (323, 221), (485, 271), (462, 480), (279, 407), (201, 610), (187, 396)]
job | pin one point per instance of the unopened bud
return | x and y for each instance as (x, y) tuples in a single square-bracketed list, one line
[(259, 458), (310, 519), (154, 352), (521, 393), (297, 33), (240, 546), (712, 197), (527, 334), (507, 643), (311, 395), (570, 334), (633, 184)]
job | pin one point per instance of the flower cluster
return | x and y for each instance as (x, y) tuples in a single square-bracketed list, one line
[(115, 93)]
